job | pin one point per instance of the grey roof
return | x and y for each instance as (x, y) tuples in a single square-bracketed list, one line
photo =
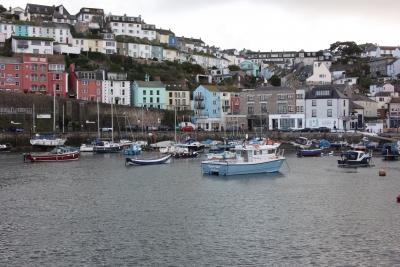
[(362, 98), (153, 84), (353, 105), (305, 72), (273, 89), (11, 60), (48, 24), (61, 26), (61, 16), (98, 74), (40, 9), (383, 94), (333, 93)]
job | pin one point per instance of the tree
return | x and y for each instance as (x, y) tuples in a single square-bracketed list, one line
[(365, 82), (345, 48), (233, 68), (275, 80), (2, 9)]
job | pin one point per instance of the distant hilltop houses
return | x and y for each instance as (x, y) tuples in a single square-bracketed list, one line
[(290, 89)]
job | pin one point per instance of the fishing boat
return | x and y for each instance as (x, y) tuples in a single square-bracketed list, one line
[(47, 140), (354, 158), (58, 154), (309, 152), (148, 161), (391, 150), (5, 147), (323, 144), (250, 159), (186, 154), (222, 155), (302, 143)]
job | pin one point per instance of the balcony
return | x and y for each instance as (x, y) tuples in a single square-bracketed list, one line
[(203, 115), (199, 97), (22, 46), (199, 106)]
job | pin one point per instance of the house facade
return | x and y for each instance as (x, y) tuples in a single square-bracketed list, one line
[(207, 107), (394, 113), (378, 66), (177, 96), (32, 45), (90, 18), (116, 88), (148, 94), (321, 74), (327, 107), (88, 85)]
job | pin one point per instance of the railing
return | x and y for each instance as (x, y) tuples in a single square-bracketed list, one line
[(22, 46), (199, 106), (199, 97)]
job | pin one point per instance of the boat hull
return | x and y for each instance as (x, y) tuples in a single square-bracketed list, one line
[(28, 157), (108, 149), (309, 153), (5, 148), (153, 161), (226, 169)]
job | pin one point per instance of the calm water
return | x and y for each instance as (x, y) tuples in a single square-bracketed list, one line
[(97, 212)]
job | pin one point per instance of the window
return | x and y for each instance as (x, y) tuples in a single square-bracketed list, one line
[(34, 87), (250, 98), (42, 88), (344, 103), (299, 109), (314, 103), (282, 108), (88, 75), (214, 102), (299, 96), (33, 67), (84, 82), (158, 92), (42, 77), (290, 108), (34, 77), (84, 91), (144, 92), (98, 83), (98, 91), (17, 84), (250, 109), (42, 67), (151, 92), (57, 87), (329, 103), (281, 97), (290, 96), (329, 114), (314, 113), (17, 75), (2, 67), (16, 67)]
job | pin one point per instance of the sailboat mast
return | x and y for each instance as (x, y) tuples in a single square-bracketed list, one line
[(112, 121), (175, 124), (98, 119)]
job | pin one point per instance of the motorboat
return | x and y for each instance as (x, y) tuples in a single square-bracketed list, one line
[(5, 147), (47, 140), (309, 152), (354, 158), (302, 143), (222, 155), (58, 154), (391, 150), (107, 147), (250, 159), (134, 149)]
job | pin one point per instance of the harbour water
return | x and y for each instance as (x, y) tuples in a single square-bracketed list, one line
[(97, 212)]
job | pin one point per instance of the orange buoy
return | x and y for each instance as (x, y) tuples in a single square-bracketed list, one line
[(382, 173)]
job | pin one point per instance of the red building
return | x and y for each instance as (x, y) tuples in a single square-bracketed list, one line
[(34, 74), (87, 84)]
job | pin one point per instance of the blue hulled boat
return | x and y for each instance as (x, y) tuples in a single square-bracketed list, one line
[(354, 158), (309, 152)]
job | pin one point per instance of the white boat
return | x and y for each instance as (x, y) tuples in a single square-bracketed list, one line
[(148, 161), (302, 143), (47, 141), (161, 144), (354, 158), (250, 159), (108, 147), (86, 148)]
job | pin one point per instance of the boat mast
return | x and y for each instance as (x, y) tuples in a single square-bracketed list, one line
[(98, 119), (33, 118), (112, 121), (175, 124)]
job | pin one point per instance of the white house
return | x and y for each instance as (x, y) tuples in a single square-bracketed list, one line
[(32, 45), (393, 69), (321, 74), (350, 80), (327, 107), (385, 51), (382, 87)]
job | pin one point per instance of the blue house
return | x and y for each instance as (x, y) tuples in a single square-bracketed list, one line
[(249, 67), (21, 29), (157, 52), (148, 93), (207, 107), (172, 41)]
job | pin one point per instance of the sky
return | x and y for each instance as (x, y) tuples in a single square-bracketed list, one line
[(260, 25)]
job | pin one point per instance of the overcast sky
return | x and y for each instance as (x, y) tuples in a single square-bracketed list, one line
[(265, 25)]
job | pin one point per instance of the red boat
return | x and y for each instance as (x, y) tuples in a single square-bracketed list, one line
[(56, 155)]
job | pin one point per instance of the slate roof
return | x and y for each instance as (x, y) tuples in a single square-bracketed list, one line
[(40, 9), (361, 98), (91, 11), (273, 89), (32, 38), (312, 94), (11, 60), (212, 88), (383, 94), (353, 106), (305, 72), (152, 84), (98, 74), (395, 100)]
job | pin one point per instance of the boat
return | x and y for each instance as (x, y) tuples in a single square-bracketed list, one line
[(339, 142), (154, 160), (192, 145), (302, 143), (222, 155), (47, 140), (354, 158), (186, 154), (162, 144), (134, 149), (107, 147), (323, 144), (309, 152), (58, 154), (250, 159), (391, 150), (366, 144), (148, 161), (5, 147)]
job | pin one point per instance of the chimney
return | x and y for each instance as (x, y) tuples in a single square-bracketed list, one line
[(157, 78)]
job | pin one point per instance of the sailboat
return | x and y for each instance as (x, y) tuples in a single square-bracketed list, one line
[(158, 159), (106, 146)]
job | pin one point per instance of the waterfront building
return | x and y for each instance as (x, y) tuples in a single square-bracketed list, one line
[(151, 94)]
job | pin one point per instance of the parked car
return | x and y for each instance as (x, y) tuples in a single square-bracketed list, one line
[(15, 129), (106, 129), (187, 128), (165, 128), (385, 135), (151, 128), (305, 130), (337, 130), (232, 129), (324, 129), (285, 129), (130, 127)]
